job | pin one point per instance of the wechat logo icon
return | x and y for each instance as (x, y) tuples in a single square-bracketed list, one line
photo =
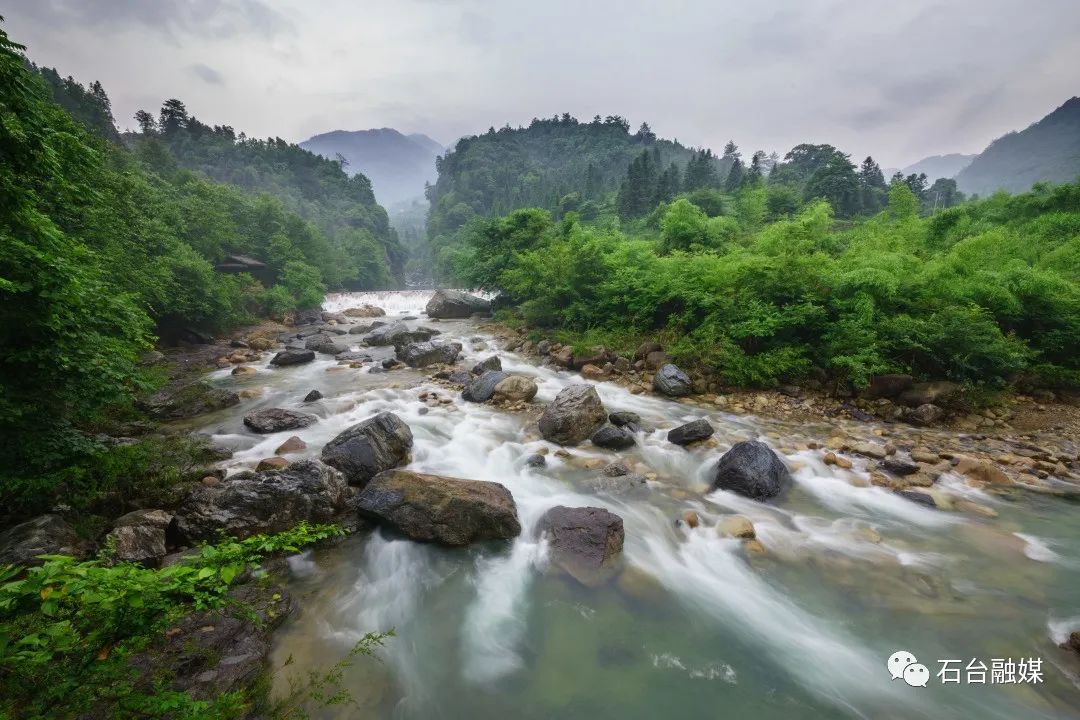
[(904, 666)]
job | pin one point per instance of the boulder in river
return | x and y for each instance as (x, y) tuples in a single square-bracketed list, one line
[(624, 418), (574, 415), (43, 535), (293, 356), (624, 485), (671, 381), (585, 542), (515, 388), (267, 502), (185, 401), (139, 537), (364, 311), (693, 431), (447, 304), (612, 437), (313, 396), (750, 468), (422, 354), (432, 508), (272, 420), (398, 333), (482, 387), (324, 343), (378, 443), (490, 363)]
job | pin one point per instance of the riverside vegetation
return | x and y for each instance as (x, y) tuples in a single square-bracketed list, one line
[(804, 273)]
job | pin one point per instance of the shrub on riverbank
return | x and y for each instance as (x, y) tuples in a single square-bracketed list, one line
[(983, 293)]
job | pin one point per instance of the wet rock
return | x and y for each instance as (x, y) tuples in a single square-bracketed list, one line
[(690, 518), (622, 418), (427, 353), (925, 414), (888, 386), (189, 400), (265, 502), (322, 343), (293, 444), (272, 463), (591, 372), (491, 363), (293, 356), (694, 431), (645, 348), (362, 451), (595, 357), (364, 311), (272, 420), (535, 461), (244, 370), (482, 388), (515, 388), (574, 415), (613, 438), (750, 468), (448, 304), (870, 450), (44, 535), (313, 396), (431, 508), (563, 357), (736, 526), (139, 537), (671, 381), (615, 469), (585, 542), (918, 496), (398, 333), (982, 470), (839, 461), (939, 392), (629, 485), (543, 347), (899, 466), (391, 364)]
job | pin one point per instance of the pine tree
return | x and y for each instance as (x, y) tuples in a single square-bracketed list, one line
[(735, 175)]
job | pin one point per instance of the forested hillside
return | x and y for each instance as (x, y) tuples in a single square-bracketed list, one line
[(1047, 151), (104, 247)]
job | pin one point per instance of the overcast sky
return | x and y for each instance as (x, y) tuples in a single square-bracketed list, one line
[(897, 79)]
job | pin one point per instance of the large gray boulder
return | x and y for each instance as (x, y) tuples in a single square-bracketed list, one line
[(447, 304), (515, 388), (324, 343), (398, 333), (585, 542), (693, 431), (272, 420), (671, 381), (422, 354), (366, 449), (431, 508), (139, 537), (573, 416), (267, 502), (185, 401), (44, 535), (750, 468), (293, 356), (482, 387)]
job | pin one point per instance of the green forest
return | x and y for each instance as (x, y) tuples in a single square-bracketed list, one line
[(110, 241), (783, 269)]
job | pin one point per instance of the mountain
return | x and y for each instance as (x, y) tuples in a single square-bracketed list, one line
[(398, 165), (939, 166), (1048, 151)]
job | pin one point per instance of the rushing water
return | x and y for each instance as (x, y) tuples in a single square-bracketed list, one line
[(694, 626)]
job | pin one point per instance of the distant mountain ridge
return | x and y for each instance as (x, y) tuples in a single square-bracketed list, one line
[(1046, 151), (397, 164), (939, 166)]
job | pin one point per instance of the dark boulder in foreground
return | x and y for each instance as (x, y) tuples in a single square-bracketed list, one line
[(251, 503), (613, 437), (481, 388), (751, 469), (362, 451), (272, 420), (573, 416), (293, 356), (44, 535), (586, 542), (448, 304), (444, 510), (422, 354), (185, 401), (699, 429), (671, 381)]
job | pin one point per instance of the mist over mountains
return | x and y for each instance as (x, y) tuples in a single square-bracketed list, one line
[(398, 165)]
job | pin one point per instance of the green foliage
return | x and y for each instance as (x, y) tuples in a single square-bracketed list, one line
[(977, 293), (68, 629)]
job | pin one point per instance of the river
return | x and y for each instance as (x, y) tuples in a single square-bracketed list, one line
[(694, 626)]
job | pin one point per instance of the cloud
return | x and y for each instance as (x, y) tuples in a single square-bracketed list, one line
[(207, 74)]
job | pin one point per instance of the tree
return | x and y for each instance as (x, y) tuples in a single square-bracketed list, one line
[(734, 179), (757, 168), (943, 194), (645, 135), (683, 225), (146, 121), (837, 183), (873, 191), (903, 205), (173, 117)]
